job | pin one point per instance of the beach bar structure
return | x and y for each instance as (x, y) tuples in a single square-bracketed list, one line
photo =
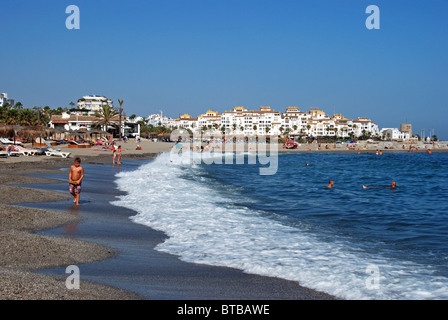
[(90, 124)]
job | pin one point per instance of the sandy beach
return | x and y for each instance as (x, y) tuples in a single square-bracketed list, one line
[(38, 241), (23, 251), (34, 237)]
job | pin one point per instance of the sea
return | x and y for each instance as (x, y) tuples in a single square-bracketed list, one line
[(347, 241)]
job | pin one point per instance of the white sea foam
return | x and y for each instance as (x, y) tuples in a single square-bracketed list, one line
[(204, 227)]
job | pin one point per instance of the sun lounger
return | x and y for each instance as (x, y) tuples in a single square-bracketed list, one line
[(7, 141), (45, 143), (14, 153), (55, 152), (26, 151)]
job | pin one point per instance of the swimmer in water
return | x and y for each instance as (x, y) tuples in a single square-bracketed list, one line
[(330, 184), (393, 185)]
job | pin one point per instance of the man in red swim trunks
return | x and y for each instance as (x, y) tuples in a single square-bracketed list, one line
[(75, 178)]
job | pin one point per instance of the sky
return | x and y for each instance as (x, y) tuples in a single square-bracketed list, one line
[(189, 56)]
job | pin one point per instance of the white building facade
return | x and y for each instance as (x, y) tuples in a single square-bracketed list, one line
[(93, 103), (394, 134), (240, 120), (4, 99)]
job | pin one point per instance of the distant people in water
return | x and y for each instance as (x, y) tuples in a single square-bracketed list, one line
[(393, 185), (330, 184)]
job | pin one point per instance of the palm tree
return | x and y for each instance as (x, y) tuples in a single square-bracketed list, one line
[(119, 122), (18, 105), (27, 117), (105, 116), (11, 117)]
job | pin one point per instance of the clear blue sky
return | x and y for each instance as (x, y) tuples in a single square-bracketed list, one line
[(193, 55)]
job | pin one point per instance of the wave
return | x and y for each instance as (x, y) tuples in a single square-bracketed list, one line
[(204, 226)]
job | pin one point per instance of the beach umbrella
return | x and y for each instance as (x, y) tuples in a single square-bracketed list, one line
[(33, 132), (7, 131)]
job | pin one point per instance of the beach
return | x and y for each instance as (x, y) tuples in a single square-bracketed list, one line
[(41, 231)]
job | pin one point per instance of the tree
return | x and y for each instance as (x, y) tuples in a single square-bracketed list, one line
[(308, 127), (28, 117), (38, 109), (11, 117), (105, 116), (119, 122), (18, 105)]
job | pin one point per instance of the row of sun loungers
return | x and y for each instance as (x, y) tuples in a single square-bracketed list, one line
[(18, 150)]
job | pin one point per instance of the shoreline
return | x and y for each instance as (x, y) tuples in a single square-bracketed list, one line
[(166, 277), (32, 217), (24, 250)]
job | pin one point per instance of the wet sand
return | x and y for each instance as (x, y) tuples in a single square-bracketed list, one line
[(113, 253), (23, 251)]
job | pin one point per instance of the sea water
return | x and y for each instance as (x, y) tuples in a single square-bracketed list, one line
[(353, 243)]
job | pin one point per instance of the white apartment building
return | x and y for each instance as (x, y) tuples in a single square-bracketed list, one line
[(295, 120), (252, 122), (362, 125), (158, 120), (4, 99), (93, 103), (240, 120), (210, 119), (394, 134), (187, 122)]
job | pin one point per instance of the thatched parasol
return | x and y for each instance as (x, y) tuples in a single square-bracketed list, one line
[(7, 131), (34, 132)]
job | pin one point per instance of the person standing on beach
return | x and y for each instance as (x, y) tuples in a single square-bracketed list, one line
[(119, 155), (75, 177), (114, 150)]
